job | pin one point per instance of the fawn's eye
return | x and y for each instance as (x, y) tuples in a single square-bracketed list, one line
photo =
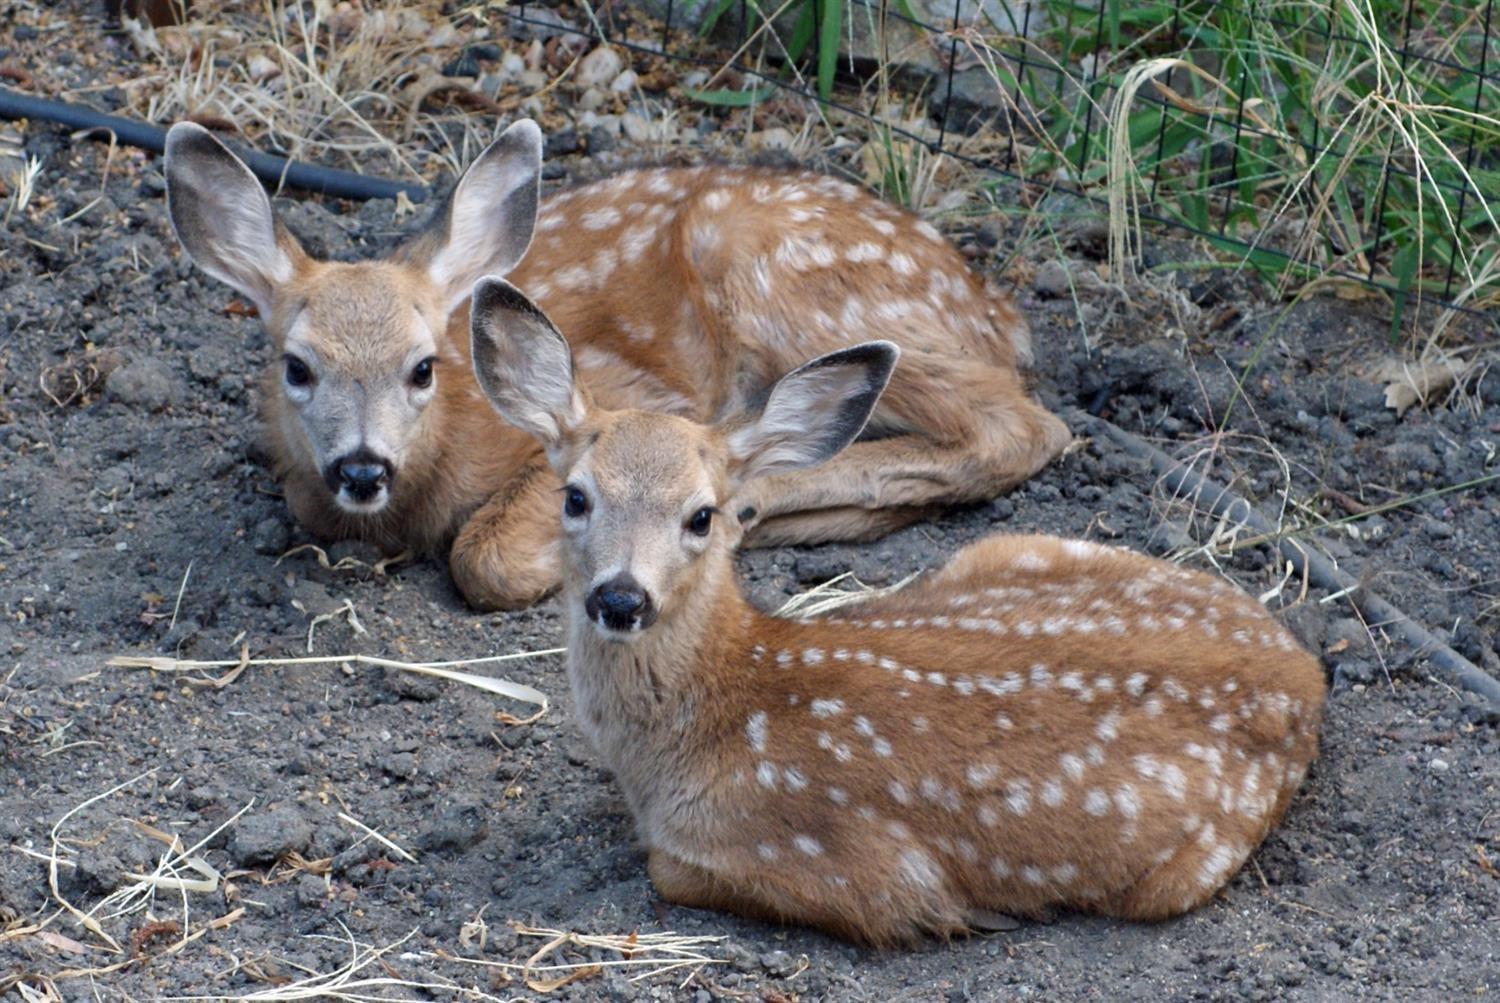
[(421, 373), (575, 503), (297, 373), (702, 521)]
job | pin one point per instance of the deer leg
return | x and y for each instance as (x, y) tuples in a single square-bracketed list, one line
[(768, 901), (506, 555), (846, 524), (978, 437)]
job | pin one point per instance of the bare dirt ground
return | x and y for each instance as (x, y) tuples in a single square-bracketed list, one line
[(136, 517)]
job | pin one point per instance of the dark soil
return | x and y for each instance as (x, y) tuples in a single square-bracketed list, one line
[(136, 516)]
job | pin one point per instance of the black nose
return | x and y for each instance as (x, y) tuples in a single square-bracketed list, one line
[(621, 604), (361, 474)]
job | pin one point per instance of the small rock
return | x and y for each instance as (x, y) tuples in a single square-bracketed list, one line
[(601, 140), (988, 234), (599, 67), (1351, 633), (266, 836), (402, 765), (778, 963), (592, 99), (1438, 766), (1051, 280), (147, 383), (561, 143), (625, 82), (1437, 529), (459, 827), (465, 65), (312, 891), (270, 536), (412, 686), (775, 138), (816, 566), (1166, 537)]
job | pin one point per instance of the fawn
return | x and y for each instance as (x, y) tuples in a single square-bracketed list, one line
[(686, 291), (1040, 723)]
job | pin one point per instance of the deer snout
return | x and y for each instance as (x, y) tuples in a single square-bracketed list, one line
[(361, 477), (620, 604)]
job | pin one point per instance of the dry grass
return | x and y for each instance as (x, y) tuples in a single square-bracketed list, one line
[(441, 670), (836, 593)]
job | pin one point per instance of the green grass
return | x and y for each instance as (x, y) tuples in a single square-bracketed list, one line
[(1279, 119)]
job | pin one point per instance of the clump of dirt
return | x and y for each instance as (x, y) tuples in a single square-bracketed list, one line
[(137, 516)]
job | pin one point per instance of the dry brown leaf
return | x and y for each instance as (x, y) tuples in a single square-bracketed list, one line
[(1413, 382), (61, 942)]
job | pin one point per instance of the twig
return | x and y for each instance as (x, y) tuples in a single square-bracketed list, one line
[(500, 687), (1222, 502), (387, 843)]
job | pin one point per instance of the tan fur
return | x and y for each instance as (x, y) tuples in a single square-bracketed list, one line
[(1040, 724), (685, 292)]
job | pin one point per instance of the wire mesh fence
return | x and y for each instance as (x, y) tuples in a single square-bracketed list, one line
[(1352, 140)]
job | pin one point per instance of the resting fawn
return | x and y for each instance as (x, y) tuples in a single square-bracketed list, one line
[(686, 291), (1040, 723)]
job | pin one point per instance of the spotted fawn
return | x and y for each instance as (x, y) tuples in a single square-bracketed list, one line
[(1041, 723), (685, 291)]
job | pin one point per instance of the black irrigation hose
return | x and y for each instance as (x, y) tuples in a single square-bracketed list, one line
[(272, 170), (1320, 571)]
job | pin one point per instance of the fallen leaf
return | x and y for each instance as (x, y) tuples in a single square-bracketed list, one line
[(63, 943), (1408, 383)]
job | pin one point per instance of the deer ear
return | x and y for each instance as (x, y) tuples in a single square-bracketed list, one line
[(523, 364), (491, 215), (812, 412), (223, 218)]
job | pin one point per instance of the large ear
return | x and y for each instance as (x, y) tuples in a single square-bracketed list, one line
[(523, 364), (812, 412), (223, 217), (491, 214)]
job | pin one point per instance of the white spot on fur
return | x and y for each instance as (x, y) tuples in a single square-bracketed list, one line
[(918, 868), (811, 847), (755, 731)]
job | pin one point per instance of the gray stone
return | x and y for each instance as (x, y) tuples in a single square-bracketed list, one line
[(270, 536), (458, 827), (269, 835), (1051, 280), (599, 67), (146, 383)]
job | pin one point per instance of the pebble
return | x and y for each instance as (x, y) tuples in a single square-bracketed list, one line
[(458, 827), (592, 99), (1051, 280), (266, 836), (270, 536), (625, 82), (1438, 766), (146, 383), (599, 67)]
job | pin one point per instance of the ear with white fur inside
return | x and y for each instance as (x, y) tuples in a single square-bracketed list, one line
[(522, 363), (812, 412), (223, 218), (492, 213)]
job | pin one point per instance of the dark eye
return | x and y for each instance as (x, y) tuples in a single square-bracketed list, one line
[(421, 374), (297, 373), (575, 504), (702, 521)]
